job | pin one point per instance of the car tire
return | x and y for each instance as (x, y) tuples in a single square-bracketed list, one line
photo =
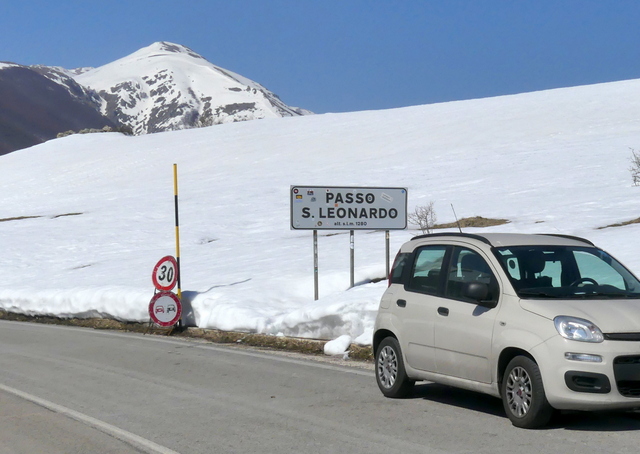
[(390, 372), (523, 394)]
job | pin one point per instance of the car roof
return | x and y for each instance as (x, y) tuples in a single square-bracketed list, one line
[(513, 239)]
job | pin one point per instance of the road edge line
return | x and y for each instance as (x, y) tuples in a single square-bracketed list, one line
[(121, 434)]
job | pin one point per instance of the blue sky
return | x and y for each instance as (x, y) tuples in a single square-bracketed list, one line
[(349, 55)]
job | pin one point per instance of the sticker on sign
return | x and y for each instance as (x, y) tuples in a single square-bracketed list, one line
[(348, 208)]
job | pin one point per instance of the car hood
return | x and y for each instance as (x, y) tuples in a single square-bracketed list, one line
[(611, 316)]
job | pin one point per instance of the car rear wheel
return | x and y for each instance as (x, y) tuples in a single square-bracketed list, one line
[(390, 372), (523, 394)]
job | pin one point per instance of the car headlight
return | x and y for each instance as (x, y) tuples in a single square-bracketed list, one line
[(578, 329)]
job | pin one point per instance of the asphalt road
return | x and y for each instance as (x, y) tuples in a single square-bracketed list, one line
[(66, 390)]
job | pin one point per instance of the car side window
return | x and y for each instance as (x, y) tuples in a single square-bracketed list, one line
[(398, 267), (427, 269), (469, 266)]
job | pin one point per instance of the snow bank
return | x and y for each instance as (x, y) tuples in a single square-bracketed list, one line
[(98, 209)]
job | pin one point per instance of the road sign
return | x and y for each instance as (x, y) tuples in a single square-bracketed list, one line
[(165, 309), (165, 273), (348, 208)]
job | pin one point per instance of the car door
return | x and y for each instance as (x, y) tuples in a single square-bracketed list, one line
[(417, 304), (463, 328)]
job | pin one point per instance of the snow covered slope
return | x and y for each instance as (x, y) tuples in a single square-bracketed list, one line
[(167, 86), (553, 161)]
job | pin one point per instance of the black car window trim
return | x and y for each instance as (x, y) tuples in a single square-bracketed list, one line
[(495, 288), (402, 260), (409, 270)]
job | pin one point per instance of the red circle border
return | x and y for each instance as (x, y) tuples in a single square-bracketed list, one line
[(156, 284), (175, 319)]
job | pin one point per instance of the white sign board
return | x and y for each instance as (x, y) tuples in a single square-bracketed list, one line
[(348, 208)]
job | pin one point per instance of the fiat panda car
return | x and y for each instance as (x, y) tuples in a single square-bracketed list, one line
[(544, 322)]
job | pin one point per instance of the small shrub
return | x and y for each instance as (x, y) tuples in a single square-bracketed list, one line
[(424, 217), (123, 129), (635, 167)]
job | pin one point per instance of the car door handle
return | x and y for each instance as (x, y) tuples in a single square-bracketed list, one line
[(402, 303), (443, 311)]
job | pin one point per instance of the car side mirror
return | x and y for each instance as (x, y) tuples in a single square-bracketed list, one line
[(478, 291)]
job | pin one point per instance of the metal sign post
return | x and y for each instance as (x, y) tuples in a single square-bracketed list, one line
[(352, 261), (347, 208), (165, 308), (386, 244), (175, 202), (315, 265)]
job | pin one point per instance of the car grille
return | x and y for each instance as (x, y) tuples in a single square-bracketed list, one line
[(622, 336), (626, 370)]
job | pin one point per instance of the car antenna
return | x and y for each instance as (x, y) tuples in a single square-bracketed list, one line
[(456, 218)]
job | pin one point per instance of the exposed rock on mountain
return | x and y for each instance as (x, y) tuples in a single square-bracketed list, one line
[(34, 108), (158, 88), (168, 86)]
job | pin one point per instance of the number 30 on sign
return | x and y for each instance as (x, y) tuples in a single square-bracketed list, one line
[(165, 274)]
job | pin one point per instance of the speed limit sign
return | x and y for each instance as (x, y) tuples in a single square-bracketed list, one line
[(165, 274)]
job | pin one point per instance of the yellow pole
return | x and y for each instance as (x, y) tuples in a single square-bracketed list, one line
[(175, 196)]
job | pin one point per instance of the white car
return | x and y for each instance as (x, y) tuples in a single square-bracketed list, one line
[(545, 322)]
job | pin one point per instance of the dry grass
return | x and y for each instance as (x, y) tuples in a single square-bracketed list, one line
[(19, 218), (476, 221), (66, 214), (621, 224), (306, 346)]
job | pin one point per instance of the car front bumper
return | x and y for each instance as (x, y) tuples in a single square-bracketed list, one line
[(590, 376)]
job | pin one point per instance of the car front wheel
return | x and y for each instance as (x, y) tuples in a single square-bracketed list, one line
[(523, 394), (390, 372)]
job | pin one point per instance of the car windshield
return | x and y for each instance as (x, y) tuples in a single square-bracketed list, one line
[(566, 272)]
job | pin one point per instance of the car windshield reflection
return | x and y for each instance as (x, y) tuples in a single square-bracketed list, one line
[(566, 272)]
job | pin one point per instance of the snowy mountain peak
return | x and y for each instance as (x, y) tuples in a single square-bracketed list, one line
[(168, 86), (164, 48), (164, 86)]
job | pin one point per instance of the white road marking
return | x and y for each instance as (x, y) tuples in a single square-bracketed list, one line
[(133, 439)]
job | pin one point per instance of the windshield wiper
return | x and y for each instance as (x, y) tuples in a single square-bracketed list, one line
[(557, 294), (608, 295), (537, 293), (617, 295)]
